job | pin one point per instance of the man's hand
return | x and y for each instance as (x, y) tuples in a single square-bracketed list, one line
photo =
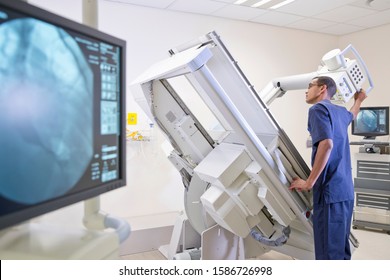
[(300, 185), (359, 98), (360, 95)]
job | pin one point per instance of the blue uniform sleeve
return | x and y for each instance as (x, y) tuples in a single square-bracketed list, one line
[(320, 124), (350, 118)]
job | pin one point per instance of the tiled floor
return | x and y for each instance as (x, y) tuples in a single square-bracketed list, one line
[(373, 245)]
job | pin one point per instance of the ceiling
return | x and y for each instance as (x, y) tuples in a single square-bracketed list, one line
[(336, 17)]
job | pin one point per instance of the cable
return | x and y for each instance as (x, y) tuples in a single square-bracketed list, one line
[(281, 240)]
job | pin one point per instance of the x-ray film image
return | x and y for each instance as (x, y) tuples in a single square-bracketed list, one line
[(46, 133)]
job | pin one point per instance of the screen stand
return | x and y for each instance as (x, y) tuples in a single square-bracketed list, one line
[(44, 241)]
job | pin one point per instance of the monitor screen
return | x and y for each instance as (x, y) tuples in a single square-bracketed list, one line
[(371, 122), (62, 112)]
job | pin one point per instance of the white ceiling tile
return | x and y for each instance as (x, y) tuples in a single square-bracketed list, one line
[(160, 4), (377, 19), (312, 7), (239, 12), (199, 6), (378, 5), (345, 13), (276, 18), (341, 29), (311, 24)]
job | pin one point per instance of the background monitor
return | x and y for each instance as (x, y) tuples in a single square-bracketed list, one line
[(371, 122), (62, 112)]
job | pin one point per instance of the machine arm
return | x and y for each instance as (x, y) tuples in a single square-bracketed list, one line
[(349, 75)]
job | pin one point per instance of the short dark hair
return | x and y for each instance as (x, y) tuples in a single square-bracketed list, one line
[(329, 82)]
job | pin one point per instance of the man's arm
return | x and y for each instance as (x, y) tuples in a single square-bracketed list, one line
[(359, 97), (323, 153)]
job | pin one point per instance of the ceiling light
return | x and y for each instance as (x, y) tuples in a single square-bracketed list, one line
[(281, 4), (264, 4), (260, 3), (239, 2)]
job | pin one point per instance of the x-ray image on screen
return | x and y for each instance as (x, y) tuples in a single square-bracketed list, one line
[(62, 112), (46, 91), (367, 120), (371, 122)]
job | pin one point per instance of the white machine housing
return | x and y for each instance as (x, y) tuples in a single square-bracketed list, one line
[(349, 75), (235, 160)]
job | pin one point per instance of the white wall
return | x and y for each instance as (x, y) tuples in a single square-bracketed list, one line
[(263, 52)]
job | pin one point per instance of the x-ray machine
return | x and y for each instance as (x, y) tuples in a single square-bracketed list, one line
[(235, 160)]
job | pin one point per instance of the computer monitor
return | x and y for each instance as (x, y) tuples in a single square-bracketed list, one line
[(62, 112), (371, 122)]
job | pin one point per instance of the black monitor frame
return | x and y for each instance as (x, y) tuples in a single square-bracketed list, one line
[(68, 199), (368, 134)]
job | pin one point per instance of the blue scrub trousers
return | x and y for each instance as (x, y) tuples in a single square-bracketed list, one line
[(332, 226)]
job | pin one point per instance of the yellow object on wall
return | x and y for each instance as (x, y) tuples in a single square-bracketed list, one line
[(131, 118)]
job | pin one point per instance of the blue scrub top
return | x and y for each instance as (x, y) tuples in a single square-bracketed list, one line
[(329, 121)]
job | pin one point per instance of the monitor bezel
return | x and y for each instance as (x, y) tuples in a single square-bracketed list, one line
[(28, 213), (372, 134)]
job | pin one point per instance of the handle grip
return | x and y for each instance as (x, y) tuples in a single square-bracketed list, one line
[(361, 61)]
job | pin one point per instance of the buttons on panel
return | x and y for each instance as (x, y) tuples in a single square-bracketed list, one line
[(356, 74)]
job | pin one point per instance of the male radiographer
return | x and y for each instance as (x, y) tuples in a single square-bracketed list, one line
[(331, 174)]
